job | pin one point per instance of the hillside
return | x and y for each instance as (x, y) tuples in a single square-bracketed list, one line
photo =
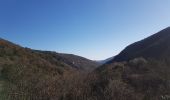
[(35, 75), (156, 46), (142, 69), (71, 60), (12, 50)]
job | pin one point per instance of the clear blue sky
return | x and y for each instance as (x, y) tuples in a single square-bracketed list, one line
[(95, 29)]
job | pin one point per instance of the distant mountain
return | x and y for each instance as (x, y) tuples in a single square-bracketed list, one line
[(71, 60), (104, 61), (156, 46)]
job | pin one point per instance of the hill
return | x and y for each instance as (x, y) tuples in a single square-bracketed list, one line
[(36, 75), (71, 60), (142, 69), (9, 49), (156, 46)]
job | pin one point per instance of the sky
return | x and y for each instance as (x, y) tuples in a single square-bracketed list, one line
[(95, 29)]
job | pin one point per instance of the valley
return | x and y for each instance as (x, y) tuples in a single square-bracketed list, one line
[(139, 72)]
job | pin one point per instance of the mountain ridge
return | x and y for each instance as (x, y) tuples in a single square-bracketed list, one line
[(145, 47), (73, 60)]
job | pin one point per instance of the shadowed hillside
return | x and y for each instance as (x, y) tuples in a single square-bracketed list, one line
[(156, 46)]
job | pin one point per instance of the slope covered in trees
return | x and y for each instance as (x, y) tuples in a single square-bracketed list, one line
[(37, 75), (144, 66)]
